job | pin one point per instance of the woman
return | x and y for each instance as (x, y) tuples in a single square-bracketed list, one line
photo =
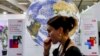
[(58, 31)]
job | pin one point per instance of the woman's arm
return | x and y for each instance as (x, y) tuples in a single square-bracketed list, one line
[(47, 46)]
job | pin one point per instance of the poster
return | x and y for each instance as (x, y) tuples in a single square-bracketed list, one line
[(89, 35), (16, 30)]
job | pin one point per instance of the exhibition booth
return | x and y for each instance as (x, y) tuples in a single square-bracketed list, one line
[(17, 39)]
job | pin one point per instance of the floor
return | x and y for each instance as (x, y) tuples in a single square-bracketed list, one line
[(38, 51)]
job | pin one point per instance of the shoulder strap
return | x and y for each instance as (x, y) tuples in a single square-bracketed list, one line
[(66, 46)]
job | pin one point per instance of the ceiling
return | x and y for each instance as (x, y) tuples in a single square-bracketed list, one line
[(14, 6)]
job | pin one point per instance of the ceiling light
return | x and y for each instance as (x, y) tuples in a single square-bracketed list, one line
[(4, 12), (24, 13)]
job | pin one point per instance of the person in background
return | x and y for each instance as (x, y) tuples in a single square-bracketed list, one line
[(58, 31)]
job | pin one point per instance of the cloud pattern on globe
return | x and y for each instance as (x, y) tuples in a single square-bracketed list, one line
[(39, 13)]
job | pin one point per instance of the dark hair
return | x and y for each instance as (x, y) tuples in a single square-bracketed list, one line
[(67, 23)]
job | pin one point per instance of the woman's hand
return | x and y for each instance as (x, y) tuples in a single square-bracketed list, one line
[(47, 46)]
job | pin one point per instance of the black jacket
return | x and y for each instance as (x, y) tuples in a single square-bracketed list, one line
[(72, 51)]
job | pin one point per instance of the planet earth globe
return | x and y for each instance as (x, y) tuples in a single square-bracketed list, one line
[(39, 12)]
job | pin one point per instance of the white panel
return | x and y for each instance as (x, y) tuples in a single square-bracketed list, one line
[(95, 11)]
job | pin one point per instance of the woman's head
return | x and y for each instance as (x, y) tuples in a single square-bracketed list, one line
[(59, 25)]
